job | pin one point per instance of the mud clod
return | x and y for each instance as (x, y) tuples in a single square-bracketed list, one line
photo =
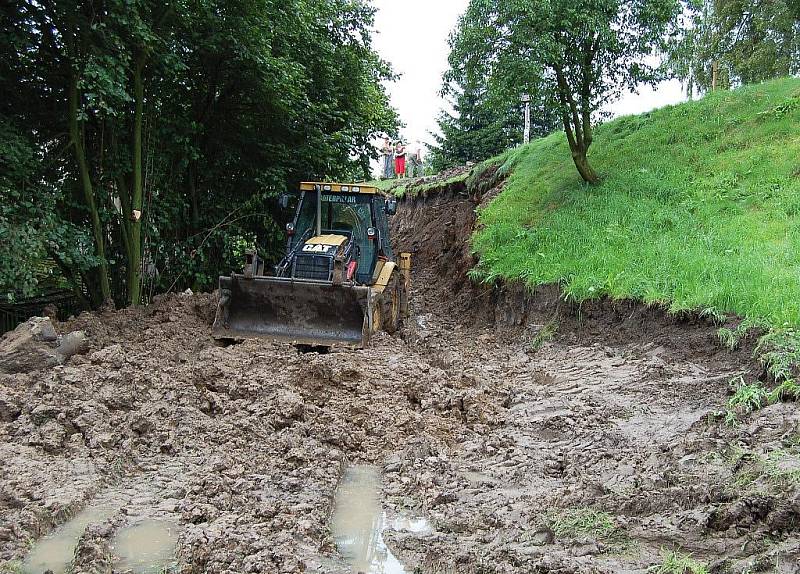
[(34, 345)]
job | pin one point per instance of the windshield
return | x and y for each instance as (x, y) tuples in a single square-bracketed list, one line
[(344, 214)]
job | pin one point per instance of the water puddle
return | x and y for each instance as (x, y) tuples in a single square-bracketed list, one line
[(359, 520), (145, 548), (54, 551)]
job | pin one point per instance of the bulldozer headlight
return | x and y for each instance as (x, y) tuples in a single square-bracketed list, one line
[(372, 233), (290, 228), (345, 188)]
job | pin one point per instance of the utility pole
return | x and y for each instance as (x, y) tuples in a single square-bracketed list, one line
[(526, 99)]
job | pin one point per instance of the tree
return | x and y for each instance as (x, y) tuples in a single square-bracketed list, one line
[(481, 124), (570, 56), (485, 122), (731, 42), (475, 131), (157, 135)]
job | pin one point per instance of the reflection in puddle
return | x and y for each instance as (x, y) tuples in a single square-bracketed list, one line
[(54, 551), (358, 523), (145, 547)]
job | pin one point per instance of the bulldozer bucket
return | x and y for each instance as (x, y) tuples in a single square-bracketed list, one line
[(295, 311)]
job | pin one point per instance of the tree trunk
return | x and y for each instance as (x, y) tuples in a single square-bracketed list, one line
[(582, 163), (714, 74), (579, 148), (135, 261), (124, 197), (86, 184), (72, 279), (577, 125), (195, 200)]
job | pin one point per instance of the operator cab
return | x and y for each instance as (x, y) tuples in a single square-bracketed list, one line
[(336, 220)]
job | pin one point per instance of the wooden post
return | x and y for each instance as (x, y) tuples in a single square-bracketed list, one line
[(714, 74)]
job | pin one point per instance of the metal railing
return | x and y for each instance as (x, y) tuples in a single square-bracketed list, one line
[(12, 314)]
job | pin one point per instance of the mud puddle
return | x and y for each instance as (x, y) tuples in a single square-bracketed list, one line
[(359, 521), (54, 552), (146, 547)]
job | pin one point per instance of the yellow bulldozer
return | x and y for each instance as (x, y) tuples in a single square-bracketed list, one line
[(338, 283)]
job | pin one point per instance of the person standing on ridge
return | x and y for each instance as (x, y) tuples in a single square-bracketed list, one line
[(415, 161), (387, 153), (400, 159)]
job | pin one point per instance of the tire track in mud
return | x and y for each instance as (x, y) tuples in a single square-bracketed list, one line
[(625, 431)]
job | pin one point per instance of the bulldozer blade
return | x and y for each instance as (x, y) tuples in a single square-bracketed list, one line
[(295, 311)]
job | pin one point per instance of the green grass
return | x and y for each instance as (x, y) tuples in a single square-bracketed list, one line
[(747, 397), (750, 397), (416, 186), (575, 522), (543, 335), (773, 471), (779, 353), (673, 562), (698, 208)]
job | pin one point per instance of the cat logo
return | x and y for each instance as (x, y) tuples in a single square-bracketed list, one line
[(319, 248)]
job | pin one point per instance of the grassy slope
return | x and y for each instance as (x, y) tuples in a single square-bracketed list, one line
[(699, 208)]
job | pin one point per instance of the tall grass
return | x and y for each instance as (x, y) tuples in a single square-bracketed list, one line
[(699, 207)]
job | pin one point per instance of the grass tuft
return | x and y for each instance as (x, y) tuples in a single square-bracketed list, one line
[(673, 562), (731, 338), (782, 467), (747, 397), (12, 567), (574, 522), (787, 390), (713, 314), (779, 353), (543, 336)]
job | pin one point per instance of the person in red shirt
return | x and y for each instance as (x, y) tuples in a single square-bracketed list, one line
[(400, 159)]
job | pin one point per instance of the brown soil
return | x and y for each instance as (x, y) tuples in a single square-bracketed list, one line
[(591, 451)]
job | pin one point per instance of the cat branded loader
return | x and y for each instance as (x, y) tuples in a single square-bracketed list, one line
[(338, 283)]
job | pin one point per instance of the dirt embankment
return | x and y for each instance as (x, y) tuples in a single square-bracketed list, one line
[(535, 436)]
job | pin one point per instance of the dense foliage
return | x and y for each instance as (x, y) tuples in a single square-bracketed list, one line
[(733, 42), (571, 57), (487, 114), (143, 143), (486, 118), (475, 130)]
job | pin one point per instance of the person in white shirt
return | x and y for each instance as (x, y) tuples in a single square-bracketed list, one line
[(415, 161), (387, 151)]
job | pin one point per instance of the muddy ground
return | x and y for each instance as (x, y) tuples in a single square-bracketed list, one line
[(595, 449)]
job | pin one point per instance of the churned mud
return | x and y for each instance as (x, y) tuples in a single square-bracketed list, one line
[(529, 435)]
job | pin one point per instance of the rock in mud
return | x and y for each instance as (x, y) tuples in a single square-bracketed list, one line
[(93, 554), (35, 345), (9, 408)]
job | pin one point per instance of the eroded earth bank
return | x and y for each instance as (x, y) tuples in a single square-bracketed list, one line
[(533, 435)]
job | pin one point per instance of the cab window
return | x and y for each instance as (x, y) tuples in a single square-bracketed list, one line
[(344, 214)]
